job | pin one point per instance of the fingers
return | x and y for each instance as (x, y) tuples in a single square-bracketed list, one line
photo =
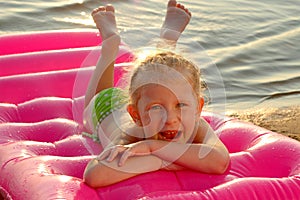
[(111, 153), (103, 155), (125, 156), (124, 152)]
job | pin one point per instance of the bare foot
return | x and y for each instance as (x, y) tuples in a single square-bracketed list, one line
[(177, 18), (104, 17)]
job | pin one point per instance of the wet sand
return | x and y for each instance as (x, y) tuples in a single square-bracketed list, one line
[(285, 120)]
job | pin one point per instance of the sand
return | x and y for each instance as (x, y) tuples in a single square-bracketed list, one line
[(285, 120)]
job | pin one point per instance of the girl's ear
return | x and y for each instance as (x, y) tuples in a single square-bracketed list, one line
[(200, 105), (132, 110)]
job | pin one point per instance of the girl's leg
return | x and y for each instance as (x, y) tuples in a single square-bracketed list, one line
[(103, 76)]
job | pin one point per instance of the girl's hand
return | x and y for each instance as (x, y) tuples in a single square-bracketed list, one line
[(125, 151), (111, 153)]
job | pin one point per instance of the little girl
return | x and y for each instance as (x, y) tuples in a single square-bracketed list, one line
[(164, 102)]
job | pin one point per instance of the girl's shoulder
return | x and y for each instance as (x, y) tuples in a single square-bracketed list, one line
[(203, 131)]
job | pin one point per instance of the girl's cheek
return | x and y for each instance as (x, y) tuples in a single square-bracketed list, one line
[(157, 118), (188, 115), (152, 124)]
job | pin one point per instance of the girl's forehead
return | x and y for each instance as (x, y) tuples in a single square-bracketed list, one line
[(178, 91), (159, 73), (156, 76)]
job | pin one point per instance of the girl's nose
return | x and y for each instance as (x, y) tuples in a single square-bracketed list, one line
[(172, 117)]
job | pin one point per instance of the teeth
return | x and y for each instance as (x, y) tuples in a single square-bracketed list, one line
[(168, 135), (171, 132)]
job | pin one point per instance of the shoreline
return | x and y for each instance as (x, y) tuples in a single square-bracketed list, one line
[(283, 120)]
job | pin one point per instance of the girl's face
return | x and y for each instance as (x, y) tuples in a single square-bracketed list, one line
[(168, 113)]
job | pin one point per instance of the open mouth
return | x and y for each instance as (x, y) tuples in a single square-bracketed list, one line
[(170, 135)]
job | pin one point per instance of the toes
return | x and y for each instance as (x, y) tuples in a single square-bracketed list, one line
[(99, 9), (172, 3), (109, 7), (188, 12), (178, 5)]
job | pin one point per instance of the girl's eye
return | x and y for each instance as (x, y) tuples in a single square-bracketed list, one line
[(181, 105), (156, 107)]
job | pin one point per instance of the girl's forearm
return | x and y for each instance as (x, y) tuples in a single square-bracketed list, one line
[(199, 157), (102, 173), (98, 174)]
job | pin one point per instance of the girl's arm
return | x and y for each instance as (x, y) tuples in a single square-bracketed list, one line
[(189, 156), (207, 154), (99, 172), (210, 156), (126, 161), (103, 173)]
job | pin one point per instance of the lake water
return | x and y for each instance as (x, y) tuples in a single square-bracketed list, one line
[(254, 45)]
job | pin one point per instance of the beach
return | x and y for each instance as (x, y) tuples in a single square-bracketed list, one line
[(285, 120)]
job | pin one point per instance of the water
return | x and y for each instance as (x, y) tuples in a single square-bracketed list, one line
[(254, 44)]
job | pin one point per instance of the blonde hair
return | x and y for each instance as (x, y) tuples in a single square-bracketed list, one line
[(154, 63)]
